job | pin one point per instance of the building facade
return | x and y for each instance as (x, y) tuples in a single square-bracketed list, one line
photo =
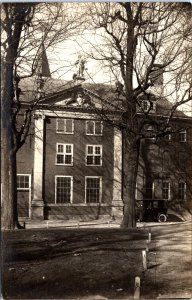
[(71, 164), (73, 161)]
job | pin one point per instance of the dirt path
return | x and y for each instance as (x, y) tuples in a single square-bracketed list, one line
[(169, 273)]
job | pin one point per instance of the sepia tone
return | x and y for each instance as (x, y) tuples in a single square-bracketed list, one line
[(96, 150)]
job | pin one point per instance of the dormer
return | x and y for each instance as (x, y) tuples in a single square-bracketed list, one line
[(147, 106)]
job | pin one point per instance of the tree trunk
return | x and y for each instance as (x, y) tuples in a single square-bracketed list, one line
[(15, 19), (9, 173), (131, 148)]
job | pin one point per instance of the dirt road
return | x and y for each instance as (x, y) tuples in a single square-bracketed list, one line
[(169, 273)]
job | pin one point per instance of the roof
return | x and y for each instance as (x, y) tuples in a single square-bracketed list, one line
[(55, 89)]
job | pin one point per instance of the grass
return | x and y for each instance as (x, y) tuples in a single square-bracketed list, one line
[(71, 263)]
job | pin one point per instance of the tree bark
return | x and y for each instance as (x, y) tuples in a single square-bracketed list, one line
[(9, 196), (15, 18), (131, 149)]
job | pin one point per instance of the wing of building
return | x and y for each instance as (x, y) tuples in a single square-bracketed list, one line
[(71, 164)]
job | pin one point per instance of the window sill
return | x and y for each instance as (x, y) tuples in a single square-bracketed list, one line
[(64, 165), (93, 165), (68, 133), (92, 134), (76, 204)]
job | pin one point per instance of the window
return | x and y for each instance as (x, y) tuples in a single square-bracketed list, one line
[(23, 182), (183, 136), (148, 105), (63, 189), (64, 154), (93, 155), (93, 189), (166, 190), (182, 190), (65, 126), (145, 105), (94, 127), (167, 137)]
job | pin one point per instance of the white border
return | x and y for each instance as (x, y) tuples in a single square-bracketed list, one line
[(27, 189), (64, 131), (169, 189), (71, 195), (94, 122), (101, 154), (100, 190), (64, 153), (184, 131)]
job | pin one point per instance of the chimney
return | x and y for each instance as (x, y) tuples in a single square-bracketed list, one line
[(156, 79)]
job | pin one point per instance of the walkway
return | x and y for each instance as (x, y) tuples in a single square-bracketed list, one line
[(169, 273)]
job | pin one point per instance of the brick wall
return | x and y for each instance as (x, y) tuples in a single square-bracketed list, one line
[(79, 170)]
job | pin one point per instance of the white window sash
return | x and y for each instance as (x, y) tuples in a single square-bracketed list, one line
[(166, 189), (94, 128), (71, 188), (183, 136), (168, 136), (64, 131), (25, 189), (94, 155), (100, 189), (64, 154)]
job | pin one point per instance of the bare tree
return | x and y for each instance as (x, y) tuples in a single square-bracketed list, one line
[(139, 42), (27, 29)]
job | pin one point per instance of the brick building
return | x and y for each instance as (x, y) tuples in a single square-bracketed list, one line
[(71, 164)]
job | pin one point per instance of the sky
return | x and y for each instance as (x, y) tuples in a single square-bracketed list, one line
[(63, 56), (62, 64)]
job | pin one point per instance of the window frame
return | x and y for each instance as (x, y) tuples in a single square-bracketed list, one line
[(169, 189), (183, 133), (64, 126), (64, 154), (100, 190), (94, 155), (94, 126), (145, 105), (28, 188), (168, 137), (148, 106), (71, 189), (185, 190)]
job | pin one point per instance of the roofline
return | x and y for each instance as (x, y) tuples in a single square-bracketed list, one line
[(43, 106), (71, 89), (167, 116), (46, 106), (56, 94)]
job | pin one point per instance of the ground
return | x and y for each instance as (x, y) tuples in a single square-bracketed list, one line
[(169, 273), (97, 263)]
